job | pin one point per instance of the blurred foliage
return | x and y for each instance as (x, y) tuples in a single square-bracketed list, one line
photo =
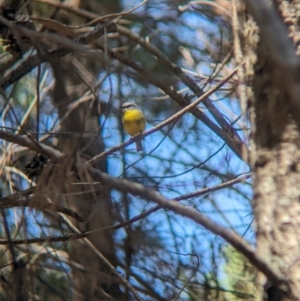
[(240, 276)]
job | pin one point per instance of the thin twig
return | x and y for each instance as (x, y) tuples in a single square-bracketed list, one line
[(190, 278)]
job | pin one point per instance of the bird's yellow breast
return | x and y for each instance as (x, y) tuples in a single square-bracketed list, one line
[(134, 122)]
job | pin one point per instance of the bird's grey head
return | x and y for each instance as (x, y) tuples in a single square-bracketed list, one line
[(129, 106)]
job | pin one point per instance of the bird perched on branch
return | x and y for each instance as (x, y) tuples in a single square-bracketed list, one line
[(134, 122)]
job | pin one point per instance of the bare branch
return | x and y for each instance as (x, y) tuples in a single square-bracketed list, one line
[(167, 121), (5, 201), (31, 144), (234, 142), (32, 61), (226, 134), (14, 201), (235, 240)]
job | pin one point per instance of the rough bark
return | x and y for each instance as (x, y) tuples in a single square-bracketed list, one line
[(94, 206), (275, 160), (92, 280)]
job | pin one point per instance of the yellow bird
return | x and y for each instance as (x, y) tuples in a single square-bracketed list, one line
[(134, 122)]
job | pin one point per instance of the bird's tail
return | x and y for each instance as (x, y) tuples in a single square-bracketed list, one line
[(139, 145)]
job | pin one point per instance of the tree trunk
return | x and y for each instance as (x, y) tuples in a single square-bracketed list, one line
[(275, 162), (92, 279)]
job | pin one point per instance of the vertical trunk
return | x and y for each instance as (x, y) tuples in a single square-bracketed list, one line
[(93, 203), (276, 165), (92, 280)]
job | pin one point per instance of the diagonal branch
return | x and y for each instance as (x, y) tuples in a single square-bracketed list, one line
[(31, 62), (117, 226), (235, 240), (31, 144), (226, 134), (167, 121)]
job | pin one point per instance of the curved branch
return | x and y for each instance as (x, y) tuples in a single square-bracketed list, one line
[(235, 240), (31, 62), (31, 144)]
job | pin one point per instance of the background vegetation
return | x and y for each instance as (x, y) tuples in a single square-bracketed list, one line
[(86, 217)]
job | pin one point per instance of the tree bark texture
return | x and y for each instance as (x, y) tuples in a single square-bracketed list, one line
[(275, 157), (92, 279)]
